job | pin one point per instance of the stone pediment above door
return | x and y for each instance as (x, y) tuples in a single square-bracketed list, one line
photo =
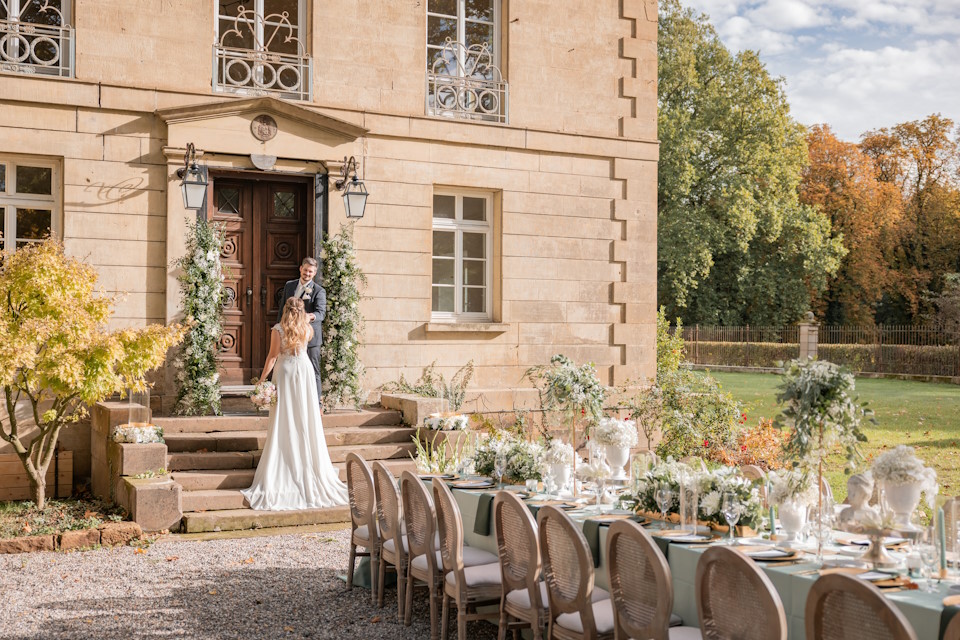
[(288, 130)]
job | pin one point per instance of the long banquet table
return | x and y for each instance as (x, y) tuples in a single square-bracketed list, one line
[(792, 582)]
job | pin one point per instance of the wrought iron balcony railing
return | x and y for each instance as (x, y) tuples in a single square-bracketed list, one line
[(37, 48), (250, 72), (464, 83)]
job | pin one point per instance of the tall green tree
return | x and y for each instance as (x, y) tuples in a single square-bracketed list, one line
[(735, 244)]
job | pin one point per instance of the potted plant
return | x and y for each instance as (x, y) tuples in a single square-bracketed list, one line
[(903, 477), (617, 437)]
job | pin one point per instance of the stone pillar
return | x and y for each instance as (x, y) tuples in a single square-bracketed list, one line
[(809, 336)]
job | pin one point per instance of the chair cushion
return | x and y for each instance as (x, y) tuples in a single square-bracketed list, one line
[(482, 575), (676, 621), (390, 546), (472, 557), (685, 633), (363, 533), (521, 597), (602, 615)]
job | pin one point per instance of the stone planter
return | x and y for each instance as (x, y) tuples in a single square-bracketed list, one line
[(561, 474), (617, 459), (902, 499), (793, 517)]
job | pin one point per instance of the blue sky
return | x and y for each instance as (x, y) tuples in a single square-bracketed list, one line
[(854, 64)]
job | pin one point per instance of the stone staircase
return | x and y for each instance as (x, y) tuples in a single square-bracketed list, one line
[(213, 458)]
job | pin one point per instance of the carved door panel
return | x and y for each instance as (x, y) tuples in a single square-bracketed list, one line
[(267, 236), (232, 205), (284, 244)]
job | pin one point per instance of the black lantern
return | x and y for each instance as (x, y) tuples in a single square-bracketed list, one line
[(193, 181), (354, 191)]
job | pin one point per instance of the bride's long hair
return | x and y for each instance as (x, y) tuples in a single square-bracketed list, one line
[(296, 329)]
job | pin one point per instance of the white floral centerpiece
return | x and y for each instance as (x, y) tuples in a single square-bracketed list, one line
[(138, 434), (903, 477), (791, 486), (446, 422), (594, 471), (524, 460), (617, 436), (558, 452)]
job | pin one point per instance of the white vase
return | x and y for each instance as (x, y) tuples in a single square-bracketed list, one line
[(793, 516), (560, 474), (617, 458), (902, 499)]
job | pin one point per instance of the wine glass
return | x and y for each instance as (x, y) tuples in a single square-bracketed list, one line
[(929, 557), (664, 498), (499, 467), (730, 507)]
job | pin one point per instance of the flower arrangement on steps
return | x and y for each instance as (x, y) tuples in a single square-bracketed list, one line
[(343, 324), (201, 295)]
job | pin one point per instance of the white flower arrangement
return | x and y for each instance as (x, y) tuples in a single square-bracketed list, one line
[(612, 432), (900, 466), (524, 460), (139, 434), (558, 452), (596, 470), (442, 422), (791, 485)]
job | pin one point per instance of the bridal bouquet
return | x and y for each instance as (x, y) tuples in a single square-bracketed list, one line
[(264, 395)]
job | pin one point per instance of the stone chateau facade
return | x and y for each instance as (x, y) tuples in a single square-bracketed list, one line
[(509, 148)]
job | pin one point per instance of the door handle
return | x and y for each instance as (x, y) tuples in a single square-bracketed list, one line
[(249, 295), (263, 296)]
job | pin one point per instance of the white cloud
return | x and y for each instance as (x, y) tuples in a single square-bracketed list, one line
[(788, 15)]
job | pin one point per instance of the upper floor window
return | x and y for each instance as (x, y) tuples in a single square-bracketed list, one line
[(36, 37), (29, 201), (463, 54), (462, 256), (261, 49)]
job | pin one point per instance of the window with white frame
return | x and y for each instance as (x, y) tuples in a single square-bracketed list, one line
[(261, 49), (36, 37), (462, 256), (29, 201), (463, 58)]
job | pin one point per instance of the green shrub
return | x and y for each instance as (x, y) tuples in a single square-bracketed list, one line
[(699, 418), (741, 354)]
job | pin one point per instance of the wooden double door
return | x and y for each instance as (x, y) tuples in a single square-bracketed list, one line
[(268, 233)]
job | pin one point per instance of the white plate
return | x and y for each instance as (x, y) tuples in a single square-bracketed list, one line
[(770, 553)]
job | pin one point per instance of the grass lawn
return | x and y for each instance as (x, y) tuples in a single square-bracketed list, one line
[(924, 415)]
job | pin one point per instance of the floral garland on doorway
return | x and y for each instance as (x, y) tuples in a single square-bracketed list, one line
[(202, 295), (342, 370)]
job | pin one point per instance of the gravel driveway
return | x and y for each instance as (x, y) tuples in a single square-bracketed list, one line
[(283, 586)]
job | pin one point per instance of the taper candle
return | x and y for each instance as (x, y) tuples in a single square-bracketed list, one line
[(942, 539)]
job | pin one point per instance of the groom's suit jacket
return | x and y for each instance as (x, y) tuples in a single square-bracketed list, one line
[(314, 301)]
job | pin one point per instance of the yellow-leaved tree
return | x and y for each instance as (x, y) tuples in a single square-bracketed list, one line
[(57, 355)]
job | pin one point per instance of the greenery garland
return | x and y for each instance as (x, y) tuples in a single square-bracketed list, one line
[(342, 370), (202, 295)]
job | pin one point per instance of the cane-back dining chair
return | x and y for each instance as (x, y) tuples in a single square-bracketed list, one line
[(467, 584), (843, 607), (393, 540), (420, 519), (641, 587), (524, 597), (575, 611), (735, 599), (363, 519), (952, 632)]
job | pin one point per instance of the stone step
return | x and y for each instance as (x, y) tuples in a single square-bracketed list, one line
[(238, 519), (213, 499), (368, 417), (254, 440), (188, 461), (210, 480)]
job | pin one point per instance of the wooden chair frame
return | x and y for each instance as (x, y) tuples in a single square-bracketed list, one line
[(888, 614), (625, 627), (363, 513), (529, 579), (420, 519), (390, 519)]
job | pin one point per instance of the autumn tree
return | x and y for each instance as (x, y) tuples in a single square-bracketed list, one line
[(735, 244), (843, 183), (57, 356)]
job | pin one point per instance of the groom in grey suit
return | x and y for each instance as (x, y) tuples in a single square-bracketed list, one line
[(315, 303)]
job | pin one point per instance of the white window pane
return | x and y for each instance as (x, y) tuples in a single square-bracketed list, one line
[(446, 7), (39, 12), (474, 299), (479, 33), (444, 207), (291, 7), (474, 245), (443, 299), (439, 29), (475, 209), (237, 34), (443, 244), (34, 180), (33, 224), (443, 271), (474, 272), (3, 179), (480, 10)]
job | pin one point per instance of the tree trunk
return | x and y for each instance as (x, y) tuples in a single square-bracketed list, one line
[(39, 491)]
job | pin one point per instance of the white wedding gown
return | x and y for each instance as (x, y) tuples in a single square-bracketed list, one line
[(295, 471)]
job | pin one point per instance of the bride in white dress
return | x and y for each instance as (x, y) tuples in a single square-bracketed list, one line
[(295, 471)]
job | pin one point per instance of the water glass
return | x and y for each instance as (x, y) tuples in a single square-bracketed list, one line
[(730, 507), (664, 498), (927, 547), (499, 467)]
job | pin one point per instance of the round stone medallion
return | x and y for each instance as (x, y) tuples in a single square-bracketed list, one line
[(263, 128)]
